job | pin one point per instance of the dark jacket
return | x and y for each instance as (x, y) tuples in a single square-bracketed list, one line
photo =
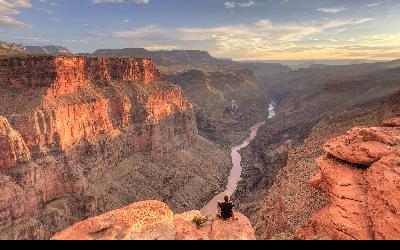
[(226, 210)]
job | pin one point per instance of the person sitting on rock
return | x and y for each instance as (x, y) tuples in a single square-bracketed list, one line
[(226, 209)]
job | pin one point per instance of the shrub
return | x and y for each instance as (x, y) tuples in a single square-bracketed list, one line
[(200, 220)]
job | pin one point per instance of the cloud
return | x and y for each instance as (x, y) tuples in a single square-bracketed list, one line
[(345, 22), (121, 1), (333, 10), (244, 41), (233, 5), (10, 7), (373, 5), (13, 23), (22, 3)]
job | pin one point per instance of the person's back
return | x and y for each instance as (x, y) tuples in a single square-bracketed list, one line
[(226, 209)]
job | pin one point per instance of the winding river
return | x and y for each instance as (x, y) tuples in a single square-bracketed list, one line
[(235, 176)]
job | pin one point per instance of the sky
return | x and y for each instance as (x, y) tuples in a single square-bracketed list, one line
[(238, 29)]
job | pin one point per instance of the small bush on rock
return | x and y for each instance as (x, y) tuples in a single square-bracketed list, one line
[(200, 220)]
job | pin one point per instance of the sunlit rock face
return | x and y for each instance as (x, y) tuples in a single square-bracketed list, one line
[(64, 75), (361, 176), (12, 147), (153, 220), (81, 98), (66, 121)]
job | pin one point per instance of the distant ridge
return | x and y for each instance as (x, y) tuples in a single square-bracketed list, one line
[(48, 50), (13, 48), (302, 64), (194, 57), (164, 57)]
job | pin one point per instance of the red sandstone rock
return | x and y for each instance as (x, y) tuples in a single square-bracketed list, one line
[(239, 229), (364, 145), (12, 147), (65, 75), (395, 122), (363, 203), (152, 220), (73, 119), (383, 180), (88, 97), (345, 217), (187, 230), (316, 181)]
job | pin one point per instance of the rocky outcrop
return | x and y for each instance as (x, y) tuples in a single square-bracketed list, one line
[(361, 176), (364, 146), (12, 146), (313, 105), (72, 110), (153, 220), (83, 136), (274, 193)]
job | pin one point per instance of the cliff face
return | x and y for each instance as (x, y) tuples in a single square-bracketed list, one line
[(227, 101), (12, 147), (70, 126), (313, 106), (71, 110), (361, 176), (153, 220), (63, 75), (289, 201)]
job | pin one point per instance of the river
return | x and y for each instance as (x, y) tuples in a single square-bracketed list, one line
[(236, 173)]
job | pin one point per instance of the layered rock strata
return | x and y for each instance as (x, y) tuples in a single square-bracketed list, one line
[(69, 128), (288, 202), (361, 177)]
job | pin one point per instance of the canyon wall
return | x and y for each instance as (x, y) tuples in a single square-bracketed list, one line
[(360, 174), (313, 107), (82, 136), (64, 75), (227, 101), (289, 202)]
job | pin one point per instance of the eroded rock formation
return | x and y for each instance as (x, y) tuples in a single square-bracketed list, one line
[(85, 98), (313, 105), (12, 147), (83, 136), (361, 176), (153, 220)]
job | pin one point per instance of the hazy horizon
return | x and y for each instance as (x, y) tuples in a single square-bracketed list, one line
[(241, 30)]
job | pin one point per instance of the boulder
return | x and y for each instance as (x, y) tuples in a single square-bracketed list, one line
[(364, 200), (153, 220)]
